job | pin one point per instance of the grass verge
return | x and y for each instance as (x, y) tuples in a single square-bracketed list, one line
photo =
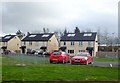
[(55, 72), (107, 59)]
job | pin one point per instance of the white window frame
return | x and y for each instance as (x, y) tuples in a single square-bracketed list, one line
[(30, 43), (80, 43), (72, 43)]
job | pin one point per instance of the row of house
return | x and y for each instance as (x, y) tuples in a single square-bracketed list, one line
[(69, 42)]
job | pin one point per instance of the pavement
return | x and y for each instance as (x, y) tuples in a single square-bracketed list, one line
[(106, 64)]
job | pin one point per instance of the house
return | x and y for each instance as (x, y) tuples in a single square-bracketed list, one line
[(1, 45), (43, 41), (10, 42), (79, 42)]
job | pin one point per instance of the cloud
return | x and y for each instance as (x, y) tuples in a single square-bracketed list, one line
[(32, 16)]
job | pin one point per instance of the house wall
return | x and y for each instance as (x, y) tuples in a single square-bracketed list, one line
[(14, 44), (95, 46), (3, 44), (0, 44), (77, 47), (0, 47), (53, 43), (35, 44)]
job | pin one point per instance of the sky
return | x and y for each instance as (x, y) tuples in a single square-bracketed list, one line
[(33, 15)]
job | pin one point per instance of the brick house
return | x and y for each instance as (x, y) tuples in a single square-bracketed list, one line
[(39, 41), (79, 42), (10, 42)]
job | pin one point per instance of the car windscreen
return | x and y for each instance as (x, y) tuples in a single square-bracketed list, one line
[(81, 54), (56, 53), (65, 54)]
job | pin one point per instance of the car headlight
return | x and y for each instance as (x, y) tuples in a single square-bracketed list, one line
[(85, 58)]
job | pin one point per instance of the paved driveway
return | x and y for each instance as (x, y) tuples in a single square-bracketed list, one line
[(106, 64)]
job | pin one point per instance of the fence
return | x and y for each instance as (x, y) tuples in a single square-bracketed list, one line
[(30, 59), (107, 54)]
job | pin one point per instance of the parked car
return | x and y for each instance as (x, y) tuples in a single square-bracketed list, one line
[(29, 51), (6, 52), (59, 57), (82, 58)]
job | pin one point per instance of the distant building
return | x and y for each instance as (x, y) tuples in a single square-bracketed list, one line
[(79, 42), (10, 42), (47, 41)]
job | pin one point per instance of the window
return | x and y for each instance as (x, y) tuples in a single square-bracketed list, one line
[(32, 35), (24, 43), (45, 35), (70, 51), (71, 35), (81, 50), (80, 43), (30, 43), (7, 37), (65, 54), (44, 43), (87, 34), (81, 54), (4, 43), (89, 44), (72, 43), (56, 53), (64, 43)]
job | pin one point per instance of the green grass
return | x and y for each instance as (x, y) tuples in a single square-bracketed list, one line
[(54, 72), (107, 59)]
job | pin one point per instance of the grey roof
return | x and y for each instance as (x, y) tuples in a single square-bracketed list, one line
[(85, 36), (38, 37), (6, 38)]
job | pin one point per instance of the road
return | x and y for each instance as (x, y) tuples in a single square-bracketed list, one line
[(107, 64)]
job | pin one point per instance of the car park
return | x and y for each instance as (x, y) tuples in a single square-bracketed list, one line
[(59, 57), (82, 58)]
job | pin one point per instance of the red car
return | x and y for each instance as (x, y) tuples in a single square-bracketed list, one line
[(82, 58), (62, 57)]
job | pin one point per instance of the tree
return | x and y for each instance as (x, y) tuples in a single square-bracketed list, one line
[(99, 35), (45, 30), (19, 34), (76, 30), (28, 33), (65, 31)]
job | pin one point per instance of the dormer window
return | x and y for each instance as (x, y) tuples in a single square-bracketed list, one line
[(7, 37), (45, 35), (87, 34), (32, 35), (71, 35)]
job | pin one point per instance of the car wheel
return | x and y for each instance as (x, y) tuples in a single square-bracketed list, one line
[(72, 63), (51, 62), (92, 62), (67, 61), (86, 62), (63, 61)]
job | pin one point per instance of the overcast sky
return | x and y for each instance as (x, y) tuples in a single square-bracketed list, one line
[(59, 14)]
